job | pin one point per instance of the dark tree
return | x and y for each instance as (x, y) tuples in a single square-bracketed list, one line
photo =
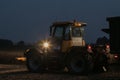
[(4, 43), (21, 43)]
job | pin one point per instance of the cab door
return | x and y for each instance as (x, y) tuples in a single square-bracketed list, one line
[(67, 42), (58, 37)]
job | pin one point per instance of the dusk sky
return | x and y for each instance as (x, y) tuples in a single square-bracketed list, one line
[(29, 20)]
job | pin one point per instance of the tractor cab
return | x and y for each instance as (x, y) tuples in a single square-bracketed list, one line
[(67, 34)]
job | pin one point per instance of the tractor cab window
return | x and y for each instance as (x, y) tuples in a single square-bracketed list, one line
[(58, 36), (58, 32), (77, 32)]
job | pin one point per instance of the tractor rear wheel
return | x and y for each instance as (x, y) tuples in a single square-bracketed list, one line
[(77, 64)]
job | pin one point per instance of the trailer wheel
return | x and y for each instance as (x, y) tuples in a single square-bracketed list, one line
[(77, 64), (34, 64), (101, 63)]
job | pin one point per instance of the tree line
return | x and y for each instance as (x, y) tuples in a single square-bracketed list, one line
[(8, 44)]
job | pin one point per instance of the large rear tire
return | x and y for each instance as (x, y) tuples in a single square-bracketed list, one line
[(77, 64)]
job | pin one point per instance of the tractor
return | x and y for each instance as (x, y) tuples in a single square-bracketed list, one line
[(65, 49)]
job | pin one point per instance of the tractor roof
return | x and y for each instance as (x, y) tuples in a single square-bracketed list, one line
[(66, 23)]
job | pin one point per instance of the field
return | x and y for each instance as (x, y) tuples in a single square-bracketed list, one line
[(19, 72), (10, 57), (12, 69)]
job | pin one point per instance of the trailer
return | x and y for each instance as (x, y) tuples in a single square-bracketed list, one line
[(114, 38)]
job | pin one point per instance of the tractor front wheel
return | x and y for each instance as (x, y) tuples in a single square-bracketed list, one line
[(34, 63)]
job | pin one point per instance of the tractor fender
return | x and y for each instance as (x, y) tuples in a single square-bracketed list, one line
[(32, 51), (34, 60)]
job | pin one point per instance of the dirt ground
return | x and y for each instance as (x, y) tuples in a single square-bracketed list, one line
[(20, 72), (12, 69), (9, 57)]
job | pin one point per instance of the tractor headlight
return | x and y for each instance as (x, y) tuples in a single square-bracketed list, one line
[(46, 45)]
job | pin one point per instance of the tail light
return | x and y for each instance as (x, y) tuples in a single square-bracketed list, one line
[(89, 48), (116, 56), (107, 48)]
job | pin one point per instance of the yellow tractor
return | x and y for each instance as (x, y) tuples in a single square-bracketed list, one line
[(64, 49)]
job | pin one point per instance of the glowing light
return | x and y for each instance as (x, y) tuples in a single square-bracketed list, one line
[(89, 47), (21, 58), (46, 44), (107, 46), (77, 24), (115, 56)]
